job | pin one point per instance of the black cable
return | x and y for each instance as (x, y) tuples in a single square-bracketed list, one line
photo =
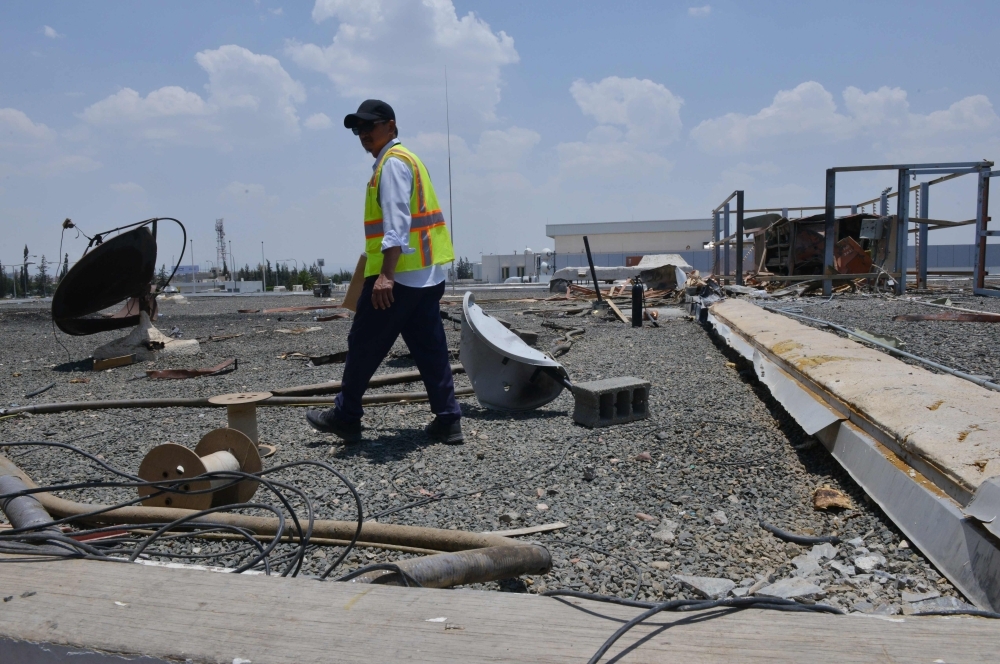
[(685, 605), (959, 612), (798, 539), (101, 548)]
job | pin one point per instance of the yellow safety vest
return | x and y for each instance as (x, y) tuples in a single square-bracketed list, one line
[(428, 232)]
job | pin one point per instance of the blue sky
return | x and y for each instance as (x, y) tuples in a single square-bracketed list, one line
[(560, 112)]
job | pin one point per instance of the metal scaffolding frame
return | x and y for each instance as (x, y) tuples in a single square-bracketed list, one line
[(725, 238), (949, 171)]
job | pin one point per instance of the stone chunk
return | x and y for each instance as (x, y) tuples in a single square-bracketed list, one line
[(805, 566), (846, 570), (867, 563), (601, 403), (719, 518), (824, 551), (790, 589), (707, 587)]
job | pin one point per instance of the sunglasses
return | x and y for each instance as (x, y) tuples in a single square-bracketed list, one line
[(366, 127)]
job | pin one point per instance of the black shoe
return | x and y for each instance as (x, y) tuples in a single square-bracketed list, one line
[(449, 433), (326, 421)]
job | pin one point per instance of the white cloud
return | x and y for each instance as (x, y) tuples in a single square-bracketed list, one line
[(648, 111), (809, 115), (698, 12), (127, 105), (806, 109), (17, 127), (127, 188), (399, 49), (277, 11), (318, 121), (50, 32), (250, 97)]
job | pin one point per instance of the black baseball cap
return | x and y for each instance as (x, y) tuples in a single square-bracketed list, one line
[(370, 110)]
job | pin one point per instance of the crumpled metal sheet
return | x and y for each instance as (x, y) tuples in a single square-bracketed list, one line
[(177, 374)]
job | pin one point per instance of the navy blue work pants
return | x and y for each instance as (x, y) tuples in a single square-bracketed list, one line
[(415, 313)]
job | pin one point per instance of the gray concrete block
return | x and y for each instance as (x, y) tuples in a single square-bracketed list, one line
[(601, 403)]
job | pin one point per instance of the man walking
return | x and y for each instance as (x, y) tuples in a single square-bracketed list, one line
[(406, 244)]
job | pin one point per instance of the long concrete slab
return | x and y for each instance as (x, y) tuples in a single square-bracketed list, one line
[(199, 616), (948, 424), (921, 445)]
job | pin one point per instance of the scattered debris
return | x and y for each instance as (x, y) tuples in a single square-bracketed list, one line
[(248, 311), (175, 332), (333, 358), (510, 517), (323, 319), (286, 310), (953, 316), (177, 374), (529, 530), (222, 337), (299, 330), (642, 516), (79, 380), (825, 498), (645, 457)]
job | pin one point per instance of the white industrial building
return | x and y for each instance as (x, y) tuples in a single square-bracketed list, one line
[(497, 268), (626, 242)]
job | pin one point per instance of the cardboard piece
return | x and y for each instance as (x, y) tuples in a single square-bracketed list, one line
[(354, 288)]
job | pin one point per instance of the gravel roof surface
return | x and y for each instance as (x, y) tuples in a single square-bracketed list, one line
[(722, 454)]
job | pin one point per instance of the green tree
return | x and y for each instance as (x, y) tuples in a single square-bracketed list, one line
[(65, 267), (161, 277), (306, 279), (42, 278), (464, 268)]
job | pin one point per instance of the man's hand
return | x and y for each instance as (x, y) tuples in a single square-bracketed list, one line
[(382, 292)]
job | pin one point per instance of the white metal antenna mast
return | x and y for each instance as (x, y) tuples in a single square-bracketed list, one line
[(451, 216)]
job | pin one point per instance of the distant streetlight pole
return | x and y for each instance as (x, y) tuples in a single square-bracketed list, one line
[(193, 268), (263, 266)]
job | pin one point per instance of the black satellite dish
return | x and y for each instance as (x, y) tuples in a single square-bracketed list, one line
[(118, 269)]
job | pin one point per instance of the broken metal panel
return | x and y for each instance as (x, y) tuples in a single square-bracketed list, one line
[(811, 413), (985, 505), (735, 341), (960, 549), (506, 373)]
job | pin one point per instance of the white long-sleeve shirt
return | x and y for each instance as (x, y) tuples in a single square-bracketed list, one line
[(395, 190)]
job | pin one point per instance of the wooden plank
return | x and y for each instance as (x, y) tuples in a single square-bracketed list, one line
[(211, 617), (112, 362), (530, 530), (618, 312)]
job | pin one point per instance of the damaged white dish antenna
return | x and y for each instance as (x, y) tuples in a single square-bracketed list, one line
[(506, 373)]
